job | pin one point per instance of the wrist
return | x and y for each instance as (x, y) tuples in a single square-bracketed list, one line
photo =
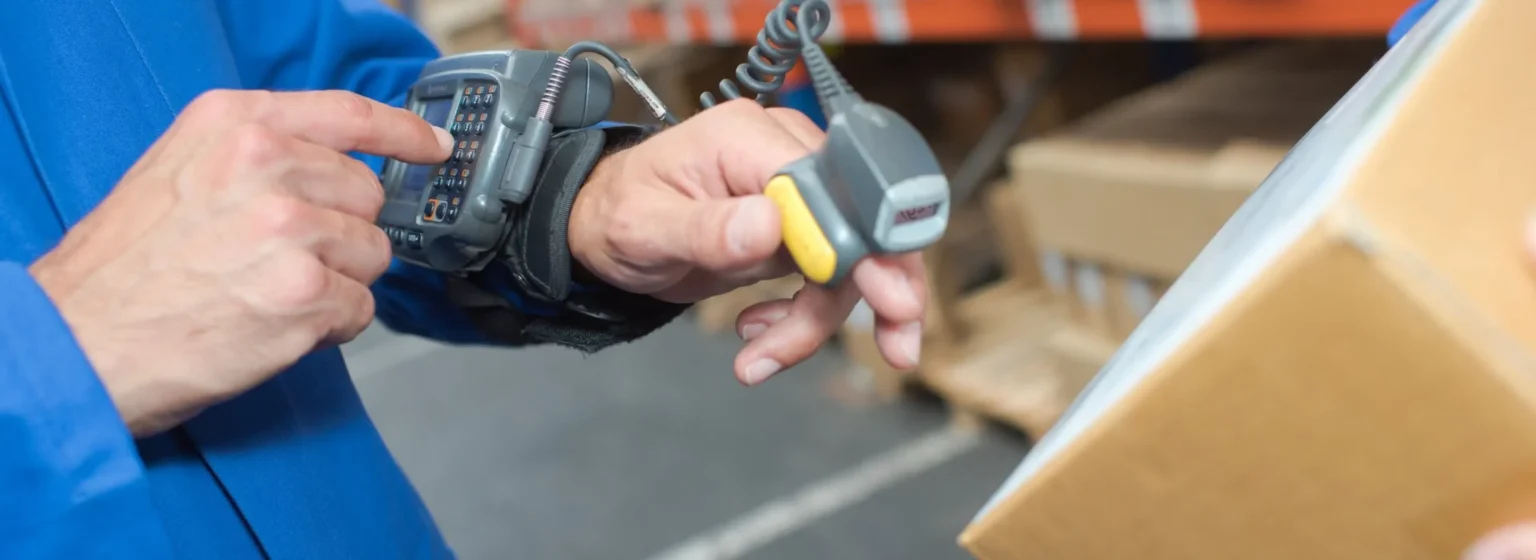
[(585, 233), (144, 403)]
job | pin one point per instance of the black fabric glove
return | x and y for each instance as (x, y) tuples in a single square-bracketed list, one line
[(560, 303)]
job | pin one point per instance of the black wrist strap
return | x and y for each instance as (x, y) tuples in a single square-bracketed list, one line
[(536, 260)]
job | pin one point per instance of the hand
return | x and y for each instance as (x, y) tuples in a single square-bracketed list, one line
[(681, 217), (239, 242), (1515, 542)]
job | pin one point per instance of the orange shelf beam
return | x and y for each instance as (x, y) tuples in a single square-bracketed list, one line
[(901, 21)]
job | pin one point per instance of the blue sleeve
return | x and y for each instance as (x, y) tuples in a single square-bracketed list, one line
[(75, 486), (1408, 20), (368, 48)]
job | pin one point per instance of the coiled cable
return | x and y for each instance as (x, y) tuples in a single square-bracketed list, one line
[(778, 46)]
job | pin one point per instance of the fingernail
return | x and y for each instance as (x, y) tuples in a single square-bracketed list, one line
[(751, 330), (1510, 543), (443, 138), (911, 342), (761, 370), (751, 218)]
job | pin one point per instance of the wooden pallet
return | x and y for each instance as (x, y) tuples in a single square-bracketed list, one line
[(1003, 371)]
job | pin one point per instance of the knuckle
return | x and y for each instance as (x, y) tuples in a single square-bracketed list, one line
[(225, 104), (301, 282), (363, 313), (254, 144), (283, 216), (353, 107), (739, 108), (381, 252), (791, 118), (372, 193), (212, 104)]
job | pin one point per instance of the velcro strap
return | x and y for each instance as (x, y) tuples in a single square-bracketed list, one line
[(537, 257), (539, 250)]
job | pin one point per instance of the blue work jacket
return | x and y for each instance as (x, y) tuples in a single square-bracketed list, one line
[(292, 469)]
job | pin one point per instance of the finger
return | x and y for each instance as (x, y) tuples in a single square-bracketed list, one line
[(700, 284), (901, 344), (894, 286), (815, 314), (333, 180), (757, 318), (348, 122), (1530, 239), (718, 235), (1516, 542), (354, 248), (799, 125), (348, 309)]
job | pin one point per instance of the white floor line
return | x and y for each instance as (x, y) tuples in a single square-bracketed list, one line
[(387, 354), (785, 515)]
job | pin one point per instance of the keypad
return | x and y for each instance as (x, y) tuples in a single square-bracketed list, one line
[(477, 102)]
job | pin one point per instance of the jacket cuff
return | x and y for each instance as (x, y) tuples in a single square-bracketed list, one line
[(65, 444)]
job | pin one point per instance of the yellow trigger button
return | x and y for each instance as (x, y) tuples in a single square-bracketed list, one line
[(807, 244)]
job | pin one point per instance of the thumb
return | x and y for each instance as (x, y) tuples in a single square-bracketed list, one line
[(724, 234)]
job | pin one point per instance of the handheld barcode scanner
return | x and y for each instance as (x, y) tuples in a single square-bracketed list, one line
[(875, 187)]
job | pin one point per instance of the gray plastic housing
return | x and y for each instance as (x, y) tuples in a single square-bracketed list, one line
[(892, 184), (883, 193), (480, 217)]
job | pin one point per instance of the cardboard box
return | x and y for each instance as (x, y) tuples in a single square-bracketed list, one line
[(1346, 371), (966, 258), (1090, 300), (1003, 371), (1010, 231), (1145, 183)]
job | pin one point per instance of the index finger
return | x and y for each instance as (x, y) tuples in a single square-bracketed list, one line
[(348, 122)]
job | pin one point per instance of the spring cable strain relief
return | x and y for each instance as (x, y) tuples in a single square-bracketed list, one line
[(828, 83), (557, 77)]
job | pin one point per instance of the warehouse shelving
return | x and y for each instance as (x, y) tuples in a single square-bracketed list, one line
[(902, 21)]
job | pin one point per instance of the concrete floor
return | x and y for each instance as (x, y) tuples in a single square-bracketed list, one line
[(653, 451)]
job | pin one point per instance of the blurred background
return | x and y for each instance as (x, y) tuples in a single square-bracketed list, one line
[(1094, 147)]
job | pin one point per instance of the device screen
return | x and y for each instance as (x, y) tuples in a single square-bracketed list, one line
[(417, 177), (916, 213)]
